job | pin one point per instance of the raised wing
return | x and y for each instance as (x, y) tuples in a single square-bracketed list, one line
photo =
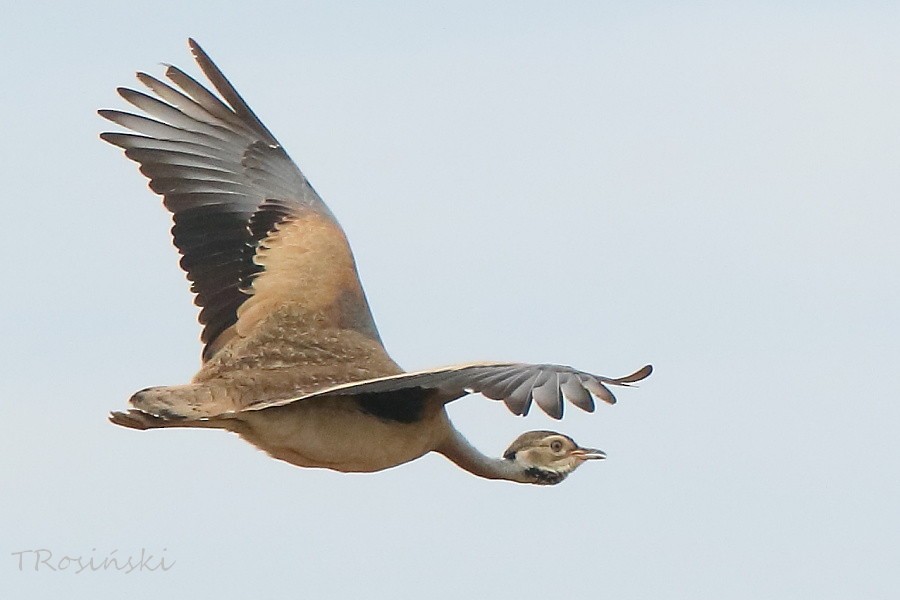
[(516, 384), (253, 234)]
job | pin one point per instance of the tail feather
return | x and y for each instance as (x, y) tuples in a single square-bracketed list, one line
[(191, 401), (136, 419)]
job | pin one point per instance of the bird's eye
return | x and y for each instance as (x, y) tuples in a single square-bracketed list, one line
[(556, 445)]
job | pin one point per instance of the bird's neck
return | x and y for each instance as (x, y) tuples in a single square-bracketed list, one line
[(459, 450)]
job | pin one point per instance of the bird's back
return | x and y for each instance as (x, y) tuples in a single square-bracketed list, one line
[(291, 351)]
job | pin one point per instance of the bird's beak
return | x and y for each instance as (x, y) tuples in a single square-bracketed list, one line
[(588, 454)]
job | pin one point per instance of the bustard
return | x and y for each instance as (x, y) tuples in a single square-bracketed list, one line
[(293, 362)]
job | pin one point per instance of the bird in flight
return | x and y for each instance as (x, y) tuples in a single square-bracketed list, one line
[(292, 360)]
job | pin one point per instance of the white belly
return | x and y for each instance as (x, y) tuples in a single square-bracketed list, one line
[(334, 433)]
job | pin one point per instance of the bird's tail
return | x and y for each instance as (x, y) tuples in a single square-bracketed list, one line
[(175, 406), (136, 419)]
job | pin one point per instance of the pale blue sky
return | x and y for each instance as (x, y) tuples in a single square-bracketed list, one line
[(710, 188)]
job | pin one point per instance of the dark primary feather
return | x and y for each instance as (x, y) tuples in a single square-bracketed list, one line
[(516, 384), (223, 175)]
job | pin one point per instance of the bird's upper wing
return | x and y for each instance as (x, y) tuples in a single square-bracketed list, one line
[(253, 234), (516, 384)]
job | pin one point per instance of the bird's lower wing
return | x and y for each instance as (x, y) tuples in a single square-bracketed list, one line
[(516, 384)]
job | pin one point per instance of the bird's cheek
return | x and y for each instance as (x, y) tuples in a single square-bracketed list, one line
[(573, 462), (527, 457)]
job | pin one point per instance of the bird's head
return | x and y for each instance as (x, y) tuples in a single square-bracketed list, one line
[(547, 457)]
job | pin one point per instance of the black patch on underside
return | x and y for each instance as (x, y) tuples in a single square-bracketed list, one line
[(401, 406), (543, 476)]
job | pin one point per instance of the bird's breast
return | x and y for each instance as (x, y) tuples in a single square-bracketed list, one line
[(334, 432)]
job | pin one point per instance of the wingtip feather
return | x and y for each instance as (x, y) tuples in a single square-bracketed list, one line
[(638, 375)]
